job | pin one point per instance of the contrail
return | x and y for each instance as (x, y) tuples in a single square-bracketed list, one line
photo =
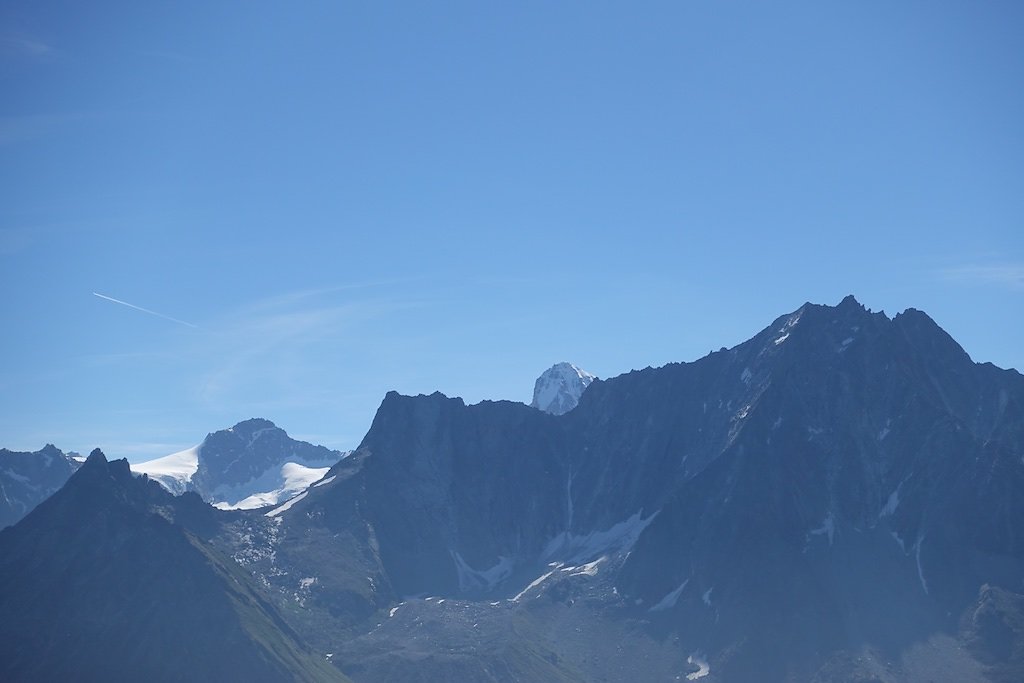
[(145, 310)]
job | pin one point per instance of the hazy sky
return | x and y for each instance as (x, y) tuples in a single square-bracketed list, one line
[(330, 200)]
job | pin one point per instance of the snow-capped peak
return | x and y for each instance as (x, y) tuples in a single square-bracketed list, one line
[(558, 390), (253, 464)]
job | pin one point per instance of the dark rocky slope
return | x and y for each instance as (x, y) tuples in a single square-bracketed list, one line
[(110, 580)]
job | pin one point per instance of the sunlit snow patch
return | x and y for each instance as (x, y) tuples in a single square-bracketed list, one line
[(885, 430), (670, 600), (784, 330), (920, 570), (174, 472), (697, 660), (892, 503), (272, 487), (582, 548), (589, 569), (470, 578), (281, 508), (536, 582), (827, 528)]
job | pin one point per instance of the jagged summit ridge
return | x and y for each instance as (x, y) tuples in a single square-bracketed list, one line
[(558, 389), (839, 457)]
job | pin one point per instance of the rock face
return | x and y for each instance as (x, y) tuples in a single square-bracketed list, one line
[(111, 579), (558, 390), (843, 480), (27, 479), (869, 472), (253, 464)]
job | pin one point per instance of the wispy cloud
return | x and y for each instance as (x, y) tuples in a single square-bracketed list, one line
[(297, 297), (14, 240), (124, 358), (144, 310), (1009, 275), (25, 46), (168, 55), (269, 345), (28, 127), (264, 348)]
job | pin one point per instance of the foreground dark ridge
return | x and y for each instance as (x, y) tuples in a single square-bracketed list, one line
[(112, 579)]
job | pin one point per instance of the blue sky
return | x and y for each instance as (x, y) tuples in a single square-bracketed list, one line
[(347, 198)]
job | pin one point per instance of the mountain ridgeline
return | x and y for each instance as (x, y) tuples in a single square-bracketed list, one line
[(27, 479), (840, 498), (834, 418), (841, 481)]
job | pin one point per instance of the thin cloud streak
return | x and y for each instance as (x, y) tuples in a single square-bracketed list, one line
[(1009, 275), (28, 127), (295, 297), (25, 46), (268, 347), (14, 240), (145, 310), (168, 55)]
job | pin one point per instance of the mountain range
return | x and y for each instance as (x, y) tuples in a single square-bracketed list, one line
[(253, 464), (839, 498)]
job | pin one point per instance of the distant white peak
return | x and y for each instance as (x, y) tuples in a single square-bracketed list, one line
[(558, 390)]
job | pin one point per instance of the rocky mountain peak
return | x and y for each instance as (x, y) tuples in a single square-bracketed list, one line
[(95, 458), (558, 389), (251, 429)]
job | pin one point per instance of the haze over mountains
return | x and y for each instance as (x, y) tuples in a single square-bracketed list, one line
[(839, 498)]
